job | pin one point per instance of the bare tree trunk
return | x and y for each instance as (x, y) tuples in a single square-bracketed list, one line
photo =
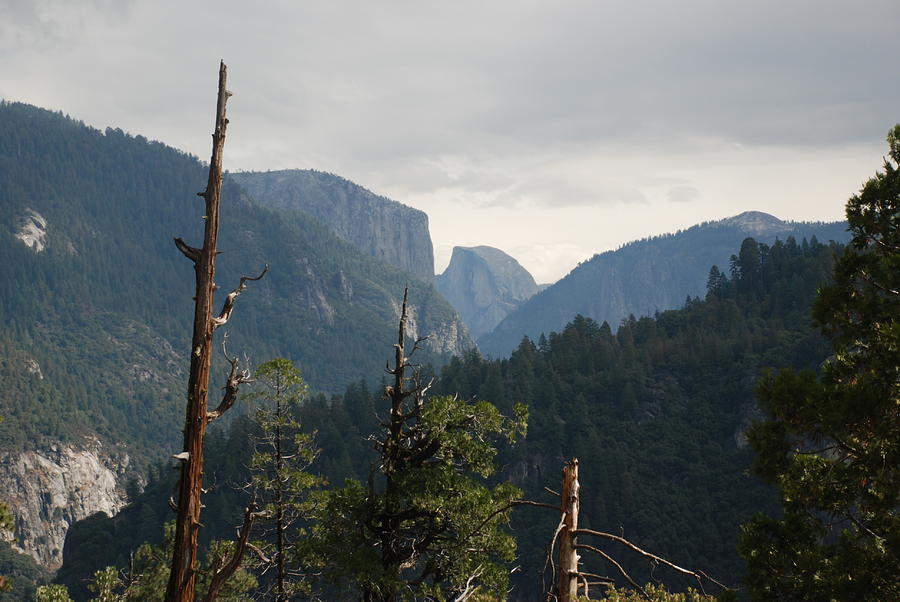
[(182, 580), (279, 502), (567, 586)]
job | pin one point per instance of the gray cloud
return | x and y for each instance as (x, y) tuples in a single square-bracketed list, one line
[(682, 194), (522, 104)]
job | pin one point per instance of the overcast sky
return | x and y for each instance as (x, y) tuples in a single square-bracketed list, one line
[(552, 130)]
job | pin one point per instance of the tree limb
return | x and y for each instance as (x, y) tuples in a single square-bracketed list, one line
[(240, 546), (188, 251), (549, 560), (235, 380), (228, 306), (618, 566), (698, 575)]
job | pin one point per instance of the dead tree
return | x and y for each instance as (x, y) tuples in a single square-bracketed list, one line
[(571, 578), (183, 575)]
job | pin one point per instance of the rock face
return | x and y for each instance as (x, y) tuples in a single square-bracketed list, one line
[(33, 230), (48, 490), (484, 284), (645, 276), (378, 226)]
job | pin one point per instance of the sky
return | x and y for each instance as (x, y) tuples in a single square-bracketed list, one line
[(552, 130)]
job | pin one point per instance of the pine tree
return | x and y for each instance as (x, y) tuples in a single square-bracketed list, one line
[(279, 465), (425, 526), (832, 444)]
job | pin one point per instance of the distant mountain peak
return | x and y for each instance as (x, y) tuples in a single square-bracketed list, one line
[(484, 284), (757, 222)]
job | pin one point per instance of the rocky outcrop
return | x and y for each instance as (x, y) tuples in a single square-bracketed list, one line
[(33, 230), (484, 284), (378, 226), (443, 334), (49, 489)]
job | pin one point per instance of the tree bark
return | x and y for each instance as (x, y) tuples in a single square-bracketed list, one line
[(182, 579), (567, 586)]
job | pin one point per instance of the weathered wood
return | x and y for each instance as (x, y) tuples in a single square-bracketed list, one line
[(240, 546), (567, 585), (183, 576)]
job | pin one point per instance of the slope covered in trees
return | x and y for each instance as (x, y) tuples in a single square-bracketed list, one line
[(95, 302), (644, 276), (655, 412), (831, 445)]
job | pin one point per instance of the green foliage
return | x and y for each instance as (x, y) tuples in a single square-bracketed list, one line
[(639, 278), (106, 582), (52, 593), (657, 593), (656, 412), (279, 479), (148, 574), (94, 330), (831, 445), (426, 524)]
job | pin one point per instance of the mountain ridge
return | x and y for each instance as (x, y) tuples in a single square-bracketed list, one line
[(378, 226), (645, 276)]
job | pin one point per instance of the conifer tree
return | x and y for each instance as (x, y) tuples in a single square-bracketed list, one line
[(832, 444), (425, 526), (279, 466)]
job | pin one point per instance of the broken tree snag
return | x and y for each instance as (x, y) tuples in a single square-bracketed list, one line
[(235, 379), (226, 570), (228, 306), (567, 585), (182, 579)]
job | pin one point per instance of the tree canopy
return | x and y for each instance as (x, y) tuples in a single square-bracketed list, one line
[(831, 444)]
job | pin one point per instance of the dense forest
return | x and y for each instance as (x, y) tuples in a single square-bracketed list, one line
[(94, 326), (425, 479), (655, 411)]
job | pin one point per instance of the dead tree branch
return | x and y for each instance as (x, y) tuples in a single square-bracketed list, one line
[(228, 306), (699, 576), (618, 566), (236, 378), (241, 545)]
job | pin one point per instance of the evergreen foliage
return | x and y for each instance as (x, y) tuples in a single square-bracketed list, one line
[(656, 412), (831, 445), (93, 329), (21, 573), (279, 480), (425, 526), (640, 278)]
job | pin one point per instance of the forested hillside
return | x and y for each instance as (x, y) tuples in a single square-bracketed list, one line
[(95, 324), (96, 306), (655, 412), (645, 276)]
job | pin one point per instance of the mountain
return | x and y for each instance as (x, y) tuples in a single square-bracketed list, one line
[(484, 284), (377, 226), (645, 276), (96, 307), (656, 414)]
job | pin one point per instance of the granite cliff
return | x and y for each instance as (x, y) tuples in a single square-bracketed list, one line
[(484, 284), (377, 226), (49, 489)]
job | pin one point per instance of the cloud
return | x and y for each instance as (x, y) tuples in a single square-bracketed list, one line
[(485, 109), (682, 194)]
